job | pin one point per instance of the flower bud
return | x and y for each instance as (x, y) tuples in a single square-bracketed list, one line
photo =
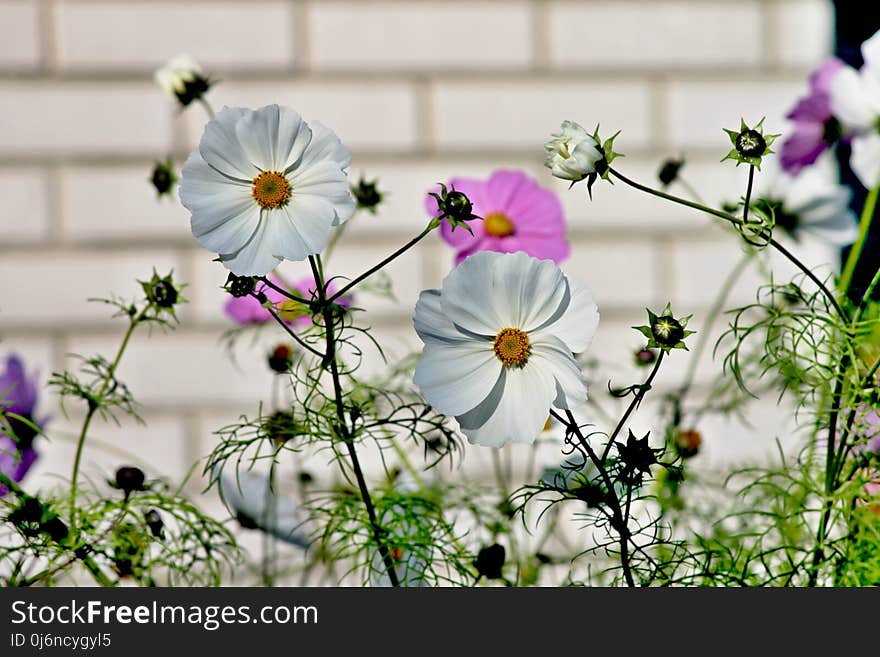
[(281, 359), (644, 357), (490, 561), (367, 195), (130, 479), (182, 79), (55, 528), (240, 286), (163, 177), (665, 331), (687, 443), (453, 206), (161, 292), (749, 144), (669, 171), (572, 153)]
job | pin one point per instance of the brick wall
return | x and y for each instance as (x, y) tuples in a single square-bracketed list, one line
[(420, 91)]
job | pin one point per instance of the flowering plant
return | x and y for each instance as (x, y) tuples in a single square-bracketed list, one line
[(339, 474)]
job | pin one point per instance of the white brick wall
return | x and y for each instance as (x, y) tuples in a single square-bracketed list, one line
[(421, 90)]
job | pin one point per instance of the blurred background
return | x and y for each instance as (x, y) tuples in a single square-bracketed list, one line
[(420, 91)]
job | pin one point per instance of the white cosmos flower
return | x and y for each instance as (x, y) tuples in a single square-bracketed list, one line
[(250, 499), (499, 337), (813, 202), (855, 101), (265, 185), (572, 153)]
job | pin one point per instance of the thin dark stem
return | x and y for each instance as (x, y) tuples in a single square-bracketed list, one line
[(286, 293), (617, 522), (736, 222), (748, 198), (637, 399), (293, 334), (372, 270), (346, 434)]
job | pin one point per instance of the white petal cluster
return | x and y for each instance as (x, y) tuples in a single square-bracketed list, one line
[(265, 185), (572, 153), (817, 201), (174, 76), (499, 342), (249, 496), (855, 101)]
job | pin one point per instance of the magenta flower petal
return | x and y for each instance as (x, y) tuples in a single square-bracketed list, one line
[(15, 464), (534, 214), (18, 394), (802, 148)]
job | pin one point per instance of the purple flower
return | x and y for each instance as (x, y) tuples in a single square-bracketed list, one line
[(247, 310), (518, 215), (815, 127), (18, 397), (870, 422)]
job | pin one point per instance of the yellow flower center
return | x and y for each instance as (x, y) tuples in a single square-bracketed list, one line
[(498, 225), (271, 190), (512, 347)]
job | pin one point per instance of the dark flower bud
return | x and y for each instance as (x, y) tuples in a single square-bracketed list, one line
[(453, 206), (55, 528), (154, 523), (645, 357), (664, 331), (161, 292), (240, 286), (687, 443), (667, 331), (367, 195), (163, 177), (130, 479), (669, 171), (637, 455), (750, 143), (306, 477), (593, 495), (490, 560), (281, 359), (280, 427)]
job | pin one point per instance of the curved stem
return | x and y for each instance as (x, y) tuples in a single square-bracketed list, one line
[(302, 343), (736, 222), (282, 291), (345, 431), (637, 399), (94, 405), (210, 110), (856, 252), (372, 270), (748, 193)]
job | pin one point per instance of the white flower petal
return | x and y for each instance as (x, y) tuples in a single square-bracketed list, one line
[(312, 219), (850, 101), (430, 322), (221, 148), (552, 355), (520, 412), (326, 145), (326, 180), (530, 290), (470, 296), (579, 319), (456, 378), (273, 137), (249, 495), (255, 257), (865, 160)]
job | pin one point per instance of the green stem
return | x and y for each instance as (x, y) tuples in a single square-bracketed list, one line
[(637, 399), (736, 222), (372, 270), (748, 193), (856, 252), (346, 433), (94, 405)]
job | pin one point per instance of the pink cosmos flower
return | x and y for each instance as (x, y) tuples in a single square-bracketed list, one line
[(247, 310), (815, 127), (518, 215)]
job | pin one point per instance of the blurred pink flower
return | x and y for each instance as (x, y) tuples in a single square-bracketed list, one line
[(815, 127), (247, 310), (18, 397), (518, 215)]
